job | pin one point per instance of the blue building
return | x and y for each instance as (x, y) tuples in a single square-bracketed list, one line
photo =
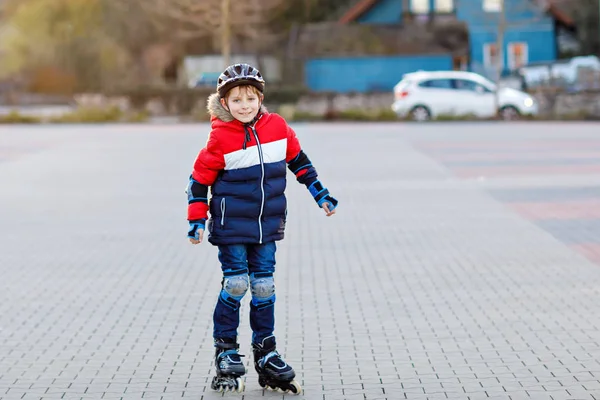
[(530, 36)]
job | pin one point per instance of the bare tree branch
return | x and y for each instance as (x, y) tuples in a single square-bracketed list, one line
[(203, 18)]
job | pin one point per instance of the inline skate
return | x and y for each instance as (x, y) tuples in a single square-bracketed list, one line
[(229, 367), (273, 372)]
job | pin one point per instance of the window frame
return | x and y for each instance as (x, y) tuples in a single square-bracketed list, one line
[(511, 56), (491, 6), (436, 7), (424, 11), (490, 59)]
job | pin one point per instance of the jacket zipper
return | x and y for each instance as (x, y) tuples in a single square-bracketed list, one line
[(262, 185), (223, 212)]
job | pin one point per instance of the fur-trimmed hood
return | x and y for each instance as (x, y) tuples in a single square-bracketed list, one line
[(216, 109)]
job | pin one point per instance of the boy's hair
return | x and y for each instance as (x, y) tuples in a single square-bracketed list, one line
[(248, 88)]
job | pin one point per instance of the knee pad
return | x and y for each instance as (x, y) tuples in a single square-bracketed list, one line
[(235, 287), (263, 289)]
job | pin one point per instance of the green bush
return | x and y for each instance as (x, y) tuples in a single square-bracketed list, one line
[(184, 101), (81, 115), (181, 100), (386, 114), (137, 117), (580, 115), (290, 113), (14, 117), (90, 115), (301, 116), (367, 115), (355, 115)]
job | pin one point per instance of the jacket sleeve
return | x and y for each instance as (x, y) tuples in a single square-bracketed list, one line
[(208, 164), (297, 160)]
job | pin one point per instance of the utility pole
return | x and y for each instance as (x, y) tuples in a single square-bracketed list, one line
[(500, 52), (226, 31)]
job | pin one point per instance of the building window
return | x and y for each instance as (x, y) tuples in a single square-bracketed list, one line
[(518, 55), (492, 5), (490, 55), (444, 6), (419, 6)]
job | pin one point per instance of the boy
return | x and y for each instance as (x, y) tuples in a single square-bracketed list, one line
[(244, 165)]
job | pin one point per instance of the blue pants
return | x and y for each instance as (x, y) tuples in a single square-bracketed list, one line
[(246, 266)]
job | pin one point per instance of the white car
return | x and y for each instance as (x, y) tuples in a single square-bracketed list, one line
[(426, 95)]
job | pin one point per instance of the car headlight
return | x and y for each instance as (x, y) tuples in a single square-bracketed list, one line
[(528, 102)]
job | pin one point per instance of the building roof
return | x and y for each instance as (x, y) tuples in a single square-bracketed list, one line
[(329, 39), (357, 10), (365, 5), (560, 15)]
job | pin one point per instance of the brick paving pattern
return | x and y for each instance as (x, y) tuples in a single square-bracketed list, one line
[(571, 214), (464, 263)]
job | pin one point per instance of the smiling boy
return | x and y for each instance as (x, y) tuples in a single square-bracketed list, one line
[(244, 166)]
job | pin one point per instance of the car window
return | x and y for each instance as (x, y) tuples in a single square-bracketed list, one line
[(467, 84), (464, 84), (437, 84)]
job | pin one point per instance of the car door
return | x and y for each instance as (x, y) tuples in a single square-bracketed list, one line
[(435, 94), (472, 98)]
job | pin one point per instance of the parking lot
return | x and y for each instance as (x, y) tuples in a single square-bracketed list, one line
[(463, 263)]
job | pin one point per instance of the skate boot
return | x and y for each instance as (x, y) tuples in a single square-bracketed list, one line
[(273, 372), (228, 366)]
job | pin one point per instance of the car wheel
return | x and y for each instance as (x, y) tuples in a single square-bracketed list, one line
[(420, 113), (509, 113)]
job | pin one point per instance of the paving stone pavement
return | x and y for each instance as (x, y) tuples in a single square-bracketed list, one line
[(435, 280)]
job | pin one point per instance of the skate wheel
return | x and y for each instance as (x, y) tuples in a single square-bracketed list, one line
[(261, 382), (239, 383), (295, 387), (214, 385), (227, 385)]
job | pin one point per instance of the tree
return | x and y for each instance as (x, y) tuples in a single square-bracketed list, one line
[(586, 15), (214, 20), (127, 23), (293, 12), (58, 33), (100, 43)]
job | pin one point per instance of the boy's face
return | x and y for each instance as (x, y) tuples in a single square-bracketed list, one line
[(243, 103)]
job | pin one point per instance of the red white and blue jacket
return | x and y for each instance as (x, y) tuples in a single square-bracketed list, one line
[(244, 165)]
